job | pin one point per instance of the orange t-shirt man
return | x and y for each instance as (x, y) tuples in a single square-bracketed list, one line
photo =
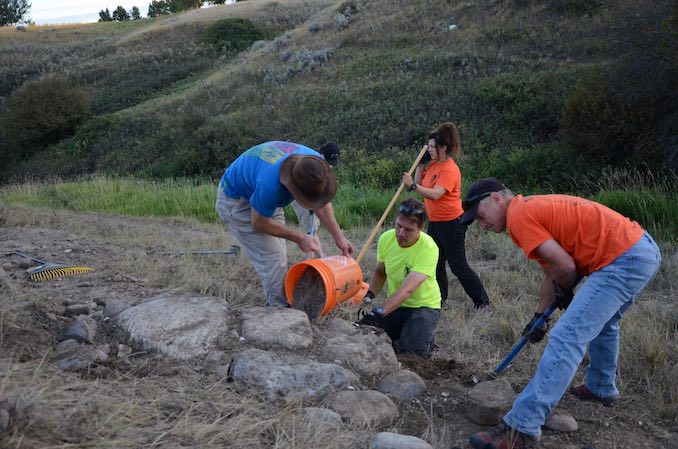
[(592, 234), (447, 175)]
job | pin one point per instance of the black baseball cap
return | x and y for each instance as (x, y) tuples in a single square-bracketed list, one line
[(331, 152), (476, 192)]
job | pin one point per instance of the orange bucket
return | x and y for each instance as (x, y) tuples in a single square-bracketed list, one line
[(341, 275)]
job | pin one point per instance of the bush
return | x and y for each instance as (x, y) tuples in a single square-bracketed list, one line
[(624, 112), (235, 35), (521, 108), (45, 111), (575, 7), (617, 114)]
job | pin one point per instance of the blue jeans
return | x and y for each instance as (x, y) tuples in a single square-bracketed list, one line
[(591, 319)]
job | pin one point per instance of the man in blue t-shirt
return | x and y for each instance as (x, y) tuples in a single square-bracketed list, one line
[(250, 198), (308, 221)]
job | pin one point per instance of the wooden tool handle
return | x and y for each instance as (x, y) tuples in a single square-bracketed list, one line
[(390, 205)]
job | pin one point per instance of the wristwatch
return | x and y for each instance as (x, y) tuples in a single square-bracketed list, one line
[(379, 311), (413, 187)]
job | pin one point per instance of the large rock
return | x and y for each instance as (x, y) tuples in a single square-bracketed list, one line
[(364, 408), (388, 440), (178, 325), (289, 377), (404, 385), (488, 402), (284, 327), (366, 353)]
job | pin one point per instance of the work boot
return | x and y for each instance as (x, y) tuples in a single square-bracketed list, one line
[(583, 393), (502, 437)]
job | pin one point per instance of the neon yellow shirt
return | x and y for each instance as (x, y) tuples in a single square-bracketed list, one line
[(421, 257)]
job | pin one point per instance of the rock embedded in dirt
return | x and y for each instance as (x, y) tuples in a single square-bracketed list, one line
[(82, 330), (179, 325), (4, 421), (321, 417), (289, 378), (403, 385), (561, 422), (113, 309), (309, 293), (77, 309), (216, 362), (85, 358), (389, 440), (370, 355), (364, 408), (488, 402), (265, 326)]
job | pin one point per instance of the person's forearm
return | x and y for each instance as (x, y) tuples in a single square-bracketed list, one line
[(377, 282), (272, 227), (545, 293), (431, 193), (419, 174), (407, 288)]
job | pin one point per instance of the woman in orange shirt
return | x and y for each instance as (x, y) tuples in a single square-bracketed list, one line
[(439, 184)]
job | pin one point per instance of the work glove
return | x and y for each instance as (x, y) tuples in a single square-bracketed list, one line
[(563, 296), (371, 319), (369, 296), (538, 334), (425, 159)]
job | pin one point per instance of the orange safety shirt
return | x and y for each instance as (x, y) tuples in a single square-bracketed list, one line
[(592, 234), (445, 174)]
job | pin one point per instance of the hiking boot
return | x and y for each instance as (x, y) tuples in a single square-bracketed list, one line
[(582, 392), (502, 437)]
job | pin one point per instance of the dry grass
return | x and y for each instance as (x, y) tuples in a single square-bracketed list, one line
[(157, 403)]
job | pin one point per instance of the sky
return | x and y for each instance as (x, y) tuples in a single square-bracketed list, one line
[(44, 12)]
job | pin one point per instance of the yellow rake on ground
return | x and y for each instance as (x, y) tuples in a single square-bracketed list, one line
[(51, 270)]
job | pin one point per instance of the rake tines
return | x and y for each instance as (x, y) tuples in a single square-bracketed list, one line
[(51, 270)]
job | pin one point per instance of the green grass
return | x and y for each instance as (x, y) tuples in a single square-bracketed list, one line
[(655, 210), (654, 207), (134, 197)]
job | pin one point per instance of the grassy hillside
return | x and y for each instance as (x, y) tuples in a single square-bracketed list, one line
[(546, 93)]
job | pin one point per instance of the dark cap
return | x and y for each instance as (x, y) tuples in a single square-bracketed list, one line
[(476, 192), (330, 151)]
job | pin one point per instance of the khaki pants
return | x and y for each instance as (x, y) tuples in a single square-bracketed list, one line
[(267, 253), (305, 217)]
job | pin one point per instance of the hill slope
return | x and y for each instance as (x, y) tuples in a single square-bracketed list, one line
[(531, 84)]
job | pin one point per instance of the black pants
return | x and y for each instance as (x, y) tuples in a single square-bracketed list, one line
[(412, 329), (450, 236)]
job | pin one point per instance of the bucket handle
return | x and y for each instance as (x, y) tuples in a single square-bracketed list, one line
[(367, 244)]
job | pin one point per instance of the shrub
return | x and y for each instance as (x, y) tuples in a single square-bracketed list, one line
[(235, 34), (575, 7), (524, 107), (45, 111), (617, 114)]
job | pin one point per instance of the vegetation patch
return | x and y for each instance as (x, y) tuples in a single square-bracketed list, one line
[(235, 35), (44, 112)]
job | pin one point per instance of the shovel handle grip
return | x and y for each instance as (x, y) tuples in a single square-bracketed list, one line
[(516, 349), (367, 244)]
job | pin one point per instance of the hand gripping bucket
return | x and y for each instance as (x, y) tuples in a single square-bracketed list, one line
[(341, 275)]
